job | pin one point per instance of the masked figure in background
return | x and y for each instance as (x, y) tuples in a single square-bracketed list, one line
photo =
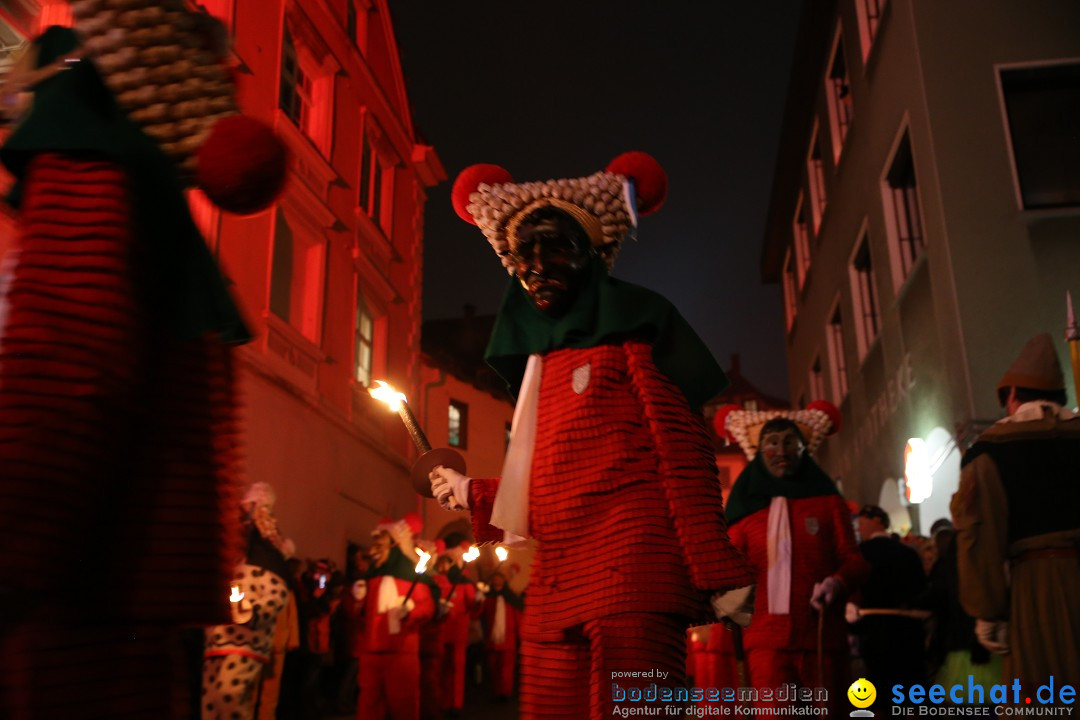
[(502, 623), (119, 438), (237, 654), (1017, 533), (392, 620), (609, 467), (788, 517), (464, 600)]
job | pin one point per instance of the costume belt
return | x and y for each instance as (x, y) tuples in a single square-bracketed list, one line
[(896, 612)]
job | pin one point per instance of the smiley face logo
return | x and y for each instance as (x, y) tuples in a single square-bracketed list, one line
[(862, 693)]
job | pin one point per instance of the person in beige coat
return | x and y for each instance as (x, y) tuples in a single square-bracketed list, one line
[(1018, 530)]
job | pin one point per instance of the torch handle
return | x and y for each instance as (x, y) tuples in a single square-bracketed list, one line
[(415, 432), (411, 588)]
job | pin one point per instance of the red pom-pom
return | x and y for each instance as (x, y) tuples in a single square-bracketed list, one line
[(650, 180), (440, 546), (242, 165), (831, 411), (720, 421), (467, 182), (415, 522)]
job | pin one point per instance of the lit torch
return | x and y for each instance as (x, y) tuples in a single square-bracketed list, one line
[(421, 568), (429, 459), (1072, 336)]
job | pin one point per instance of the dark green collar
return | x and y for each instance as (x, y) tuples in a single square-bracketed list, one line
[(607, 311), (756, 487)]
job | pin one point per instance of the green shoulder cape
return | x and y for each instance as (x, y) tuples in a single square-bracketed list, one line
[(756, 487), (607, 311)]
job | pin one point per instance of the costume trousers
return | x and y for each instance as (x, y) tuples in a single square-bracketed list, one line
[(453, 676), (501, 668), (389, 686), (572, 674), (431, 684), (777, 668), (230, 687)]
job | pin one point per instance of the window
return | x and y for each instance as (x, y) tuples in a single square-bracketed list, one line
[(296, 276), (375, 176), (834, 335), (363, 341), (869, 12), (817, 379), (295, 99), (801, 233), (903, 212), (864, 294), (458, 424), (838, 92), (816, 173), (306, 87), (790, 302), (350, 20), (1042, 104)]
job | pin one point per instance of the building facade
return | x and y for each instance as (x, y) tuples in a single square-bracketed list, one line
[(329, 277), (923, 225)]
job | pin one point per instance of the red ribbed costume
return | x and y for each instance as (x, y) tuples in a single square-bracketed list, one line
[(783, 648), (431, 659), (626, 508), (119, 449)]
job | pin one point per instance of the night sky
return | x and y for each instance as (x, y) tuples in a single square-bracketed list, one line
[(559, 88)]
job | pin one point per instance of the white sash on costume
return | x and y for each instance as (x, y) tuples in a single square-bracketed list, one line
[(778, 536), (511, 508), (388, 600), (498, 630)]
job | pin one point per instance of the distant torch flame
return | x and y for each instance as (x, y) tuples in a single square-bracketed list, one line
[(387, 394), (236, 596), (471, 554), (421, 567), (500, 552)]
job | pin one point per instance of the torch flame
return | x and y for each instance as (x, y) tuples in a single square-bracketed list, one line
[(471, 554), (421, 567), (500, 552), (236, 596), (387, 394)]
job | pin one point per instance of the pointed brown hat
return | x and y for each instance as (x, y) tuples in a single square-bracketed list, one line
[(1036, 367)]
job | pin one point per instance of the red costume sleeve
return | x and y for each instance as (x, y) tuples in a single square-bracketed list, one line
[(481, 500), (423, 610), (688, 468)]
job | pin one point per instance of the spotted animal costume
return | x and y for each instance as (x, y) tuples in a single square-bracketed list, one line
[(235, 654)]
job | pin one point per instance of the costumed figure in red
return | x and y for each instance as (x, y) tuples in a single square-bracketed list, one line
[(790, 520), (502, 621), (392, 618), (431, 637), (609, 467), (119, 436), (463, 602)]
